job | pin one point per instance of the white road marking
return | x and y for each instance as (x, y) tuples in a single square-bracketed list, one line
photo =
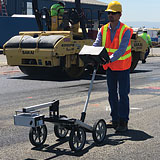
[(133, 108), (136, 108)]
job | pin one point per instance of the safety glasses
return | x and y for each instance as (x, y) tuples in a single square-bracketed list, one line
[(113, 13)]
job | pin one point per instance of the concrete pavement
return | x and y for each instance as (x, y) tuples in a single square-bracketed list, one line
[(3, 60), (155, 52)]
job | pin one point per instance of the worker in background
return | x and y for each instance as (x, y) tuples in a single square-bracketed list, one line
[(116, 38), (147, 38), (57, 11), (58, 7)]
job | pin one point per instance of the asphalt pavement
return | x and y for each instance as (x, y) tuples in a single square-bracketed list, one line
[(140, 142)]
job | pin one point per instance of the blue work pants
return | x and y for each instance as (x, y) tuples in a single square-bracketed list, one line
[(147, 53), (118, 89)]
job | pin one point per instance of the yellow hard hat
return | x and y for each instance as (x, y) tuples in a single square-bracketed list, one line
[(114, 6)]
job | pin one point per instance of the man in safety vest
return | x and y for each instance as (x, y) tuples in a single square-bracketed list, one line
[(147, 38), (116, 38), (56, 12), (58, 7)]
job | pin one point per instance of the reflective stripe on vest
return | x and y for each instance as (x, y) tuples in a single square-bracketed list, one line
[(104, 35), (120, 38), (122, 57)]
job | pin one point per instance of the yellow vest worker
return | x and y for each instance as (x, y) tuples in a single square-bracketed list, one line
[(147, 38), (57, 8), (55, 11)]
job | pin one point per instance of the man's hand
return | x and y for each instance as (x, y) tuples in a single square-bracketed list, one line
[(105, 61)]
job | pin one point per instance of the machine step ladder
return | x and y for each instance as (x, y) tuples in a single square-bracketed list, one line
[(3, 9)]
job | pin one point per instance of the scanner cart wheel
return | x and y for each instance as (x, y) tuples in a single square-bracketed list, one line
[(60, 131), (38, 135), (77, 139), (99, 131)]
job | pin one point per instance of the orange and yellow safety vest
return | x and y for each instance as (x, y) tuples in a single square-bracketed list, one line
[(124, 62)]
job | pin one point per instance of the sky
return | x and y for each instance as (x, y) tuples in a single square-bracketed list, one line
[(140, 10)]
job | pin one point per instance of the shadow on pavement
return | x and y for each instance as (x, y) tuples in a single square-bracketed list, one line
[(64, 78), (57, 151), (131, 135), (111, 139), (140, 71), (60, 78)]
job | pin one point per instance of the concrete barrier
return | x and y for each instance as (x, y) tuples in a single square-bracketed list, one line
[(154, 52), (3, 60)]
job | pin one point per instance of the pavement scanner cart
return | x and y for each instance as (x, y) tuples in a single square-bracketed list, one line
[(31, 117)]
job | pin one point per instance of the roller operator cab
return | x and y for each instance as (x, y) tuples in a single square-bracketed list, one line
[(56, 50)]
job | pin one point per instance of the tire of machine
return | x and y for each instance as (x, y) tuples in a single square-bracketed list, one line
[(77, 139), (74, 72), (58, 128), (36, 133), (99, 131), (41, 71), (32, 71)]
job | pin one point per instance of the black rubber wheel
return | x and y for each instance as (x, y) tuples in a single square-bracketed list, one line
[(135, 59), (32, 71), (99, 131), (38, 135), (77, 139), (41, 71), (60, 131), (74, 71)]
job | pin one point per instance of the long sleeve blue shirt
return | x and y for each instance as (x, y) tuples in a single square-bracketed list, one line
[(124, 43)]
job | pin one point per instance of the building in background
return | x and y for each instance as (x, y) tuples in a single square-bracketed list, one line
[(3, 9), (153, 32), (25, 6), (17, 15)]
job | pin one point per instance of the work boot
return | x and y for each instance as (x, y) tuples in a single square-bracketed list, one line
[(112, 124), (143, 61), (122, 126)]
